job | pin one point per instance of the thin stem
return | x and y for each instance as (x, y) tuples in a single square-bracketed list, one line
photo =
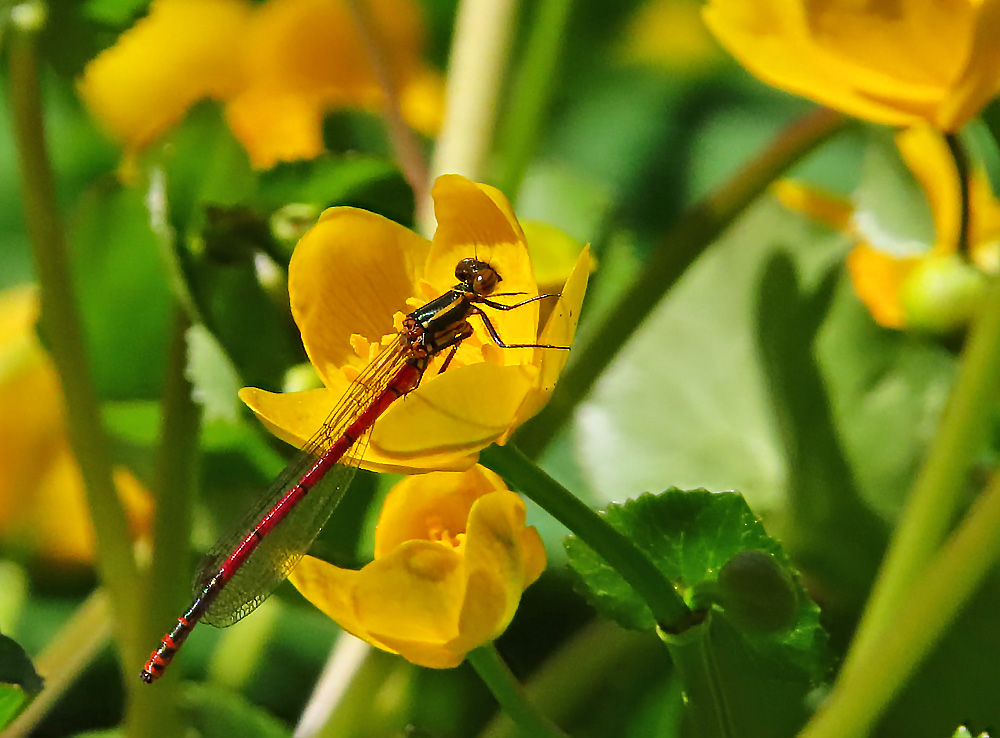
[(921, 617), (152, 712), (618, 550), (690, 236), (404, 141), (961, 157), (531, 93), (61, 328), (73, 648), (509, 694), (937, 492), (475, 74)]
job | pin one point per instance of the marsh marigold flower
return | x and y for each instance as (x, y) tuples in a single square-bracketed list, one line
[(898, 286), (42, 505), (354, 276), (277, 67), (452, 556), (897, 63)]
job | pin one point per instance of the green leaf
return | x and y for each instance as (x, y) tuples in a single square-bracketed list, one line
[(757, 676), (890, 208), (691, 536), (218, 713), (213, 377), (18, 679)]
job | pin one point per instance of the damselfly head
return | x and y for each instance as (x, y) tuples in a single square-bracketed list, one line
[(477, 275)]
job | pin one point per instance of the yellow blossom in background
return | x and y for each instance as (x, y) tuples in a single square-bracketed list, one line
[(452, 556), (897, 63), (354, 276), (669, 34), (42, 503), (278, 67), (891, 284)]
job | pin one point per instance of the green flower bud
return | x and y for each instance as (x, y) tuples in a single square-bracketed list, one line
[(941, 294), (757, 593)]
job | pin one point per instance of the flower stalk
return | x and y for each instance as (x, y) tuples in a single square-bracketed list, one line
[(937, 492), (668, 608), (62, 328), (690, 236), (870, 680), (509, 694)]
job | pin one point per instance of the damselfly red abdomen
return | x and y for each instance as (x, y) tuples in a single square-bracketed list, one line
[(244, 567)]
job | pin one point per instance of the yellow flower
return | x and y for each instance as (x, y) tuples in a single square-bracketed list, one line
[(669, 34), (42, 505), (898, 63), (355, 274), (888, 283), (452, 556), (277, 67)]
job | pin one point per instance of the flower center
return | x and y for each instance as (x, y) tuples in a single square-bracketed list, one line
[(437, 531)]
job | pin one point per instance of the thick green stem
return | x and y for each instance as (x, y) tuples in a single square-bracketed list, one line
[(63, 335), (866, 686), (704, 695), (509, 694), (152, 712), (476, 68), (693, 232), (621, 554), (937, 492), (530, 95)]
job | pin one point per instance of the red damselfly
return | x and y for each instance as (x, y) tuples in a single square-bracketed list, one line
[(246, 565)]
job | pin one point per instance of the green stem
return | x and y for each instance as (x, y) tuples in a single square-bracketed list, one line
[(690, 236), (531, 92), (877, 674), (937, 492), (61, 328), (476, 67), (621, 554), (509, 694), (152, 712), (704, 696)]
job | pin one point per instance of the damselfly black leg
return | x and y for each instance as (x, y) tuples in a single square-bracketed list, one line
[(501, 306), (499, 342)]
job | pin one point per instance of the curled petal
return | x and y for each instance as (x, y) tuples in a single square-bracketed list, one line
[(877, 278), (927, 155), (350, 274)]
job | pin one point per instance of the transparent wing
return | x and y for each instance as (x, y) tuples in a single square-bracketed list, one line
[(282, 547)]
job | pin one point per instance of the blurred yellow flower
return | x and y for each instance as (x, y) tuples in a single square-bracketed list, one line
[(896, 287), (897, 63), (278, 67), (42, 504), (452, 556), (352, 278), (669, 34)]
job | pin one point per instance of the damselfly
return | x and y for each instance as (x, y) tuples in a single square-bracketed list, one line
[(244, 567)]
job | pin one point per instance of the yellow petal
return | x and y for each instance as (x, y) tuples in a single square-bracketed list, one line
[(980, 77), (181, 52), (423, 505), (833, 211), (877, 277), (292, 416), (927, 155), (476, 220), (349, 274), (413, 594), (275, 126), (559, 331), (462, 410), (330, 589)]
